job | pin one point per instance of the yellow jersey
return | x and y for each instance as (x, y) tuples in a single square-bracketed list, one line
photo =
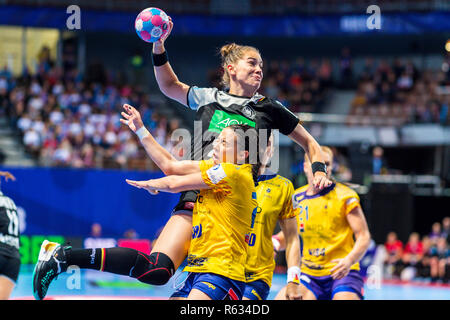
[(222, 217), (323, 228), (274, 195)]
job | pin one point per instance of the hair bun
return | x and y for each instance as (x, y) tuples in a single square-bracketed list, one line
[(226, 49)]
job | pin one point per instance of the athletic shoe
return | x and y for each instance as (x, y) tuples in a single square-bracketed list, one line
[(51, 262)]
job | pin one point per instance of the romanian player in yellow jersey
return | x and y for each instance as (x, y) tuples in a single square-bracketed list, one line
[(223, 215), (274, 195), (334, 238)]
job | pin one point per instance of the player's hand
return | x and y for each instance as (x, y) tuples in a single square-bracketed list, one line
[(293, 291), (342, 268), (321, 180), (158, 46), (143, 185), (7, 175), (132, 118)]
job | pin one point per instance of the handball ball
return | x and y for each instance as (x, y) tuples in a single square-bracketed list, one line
[(151, 24)]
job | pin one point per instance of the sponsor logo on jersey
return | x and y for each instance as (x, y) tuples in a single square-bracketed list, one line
[(311, 265), (194, 261), (249, 276), (222, 119)]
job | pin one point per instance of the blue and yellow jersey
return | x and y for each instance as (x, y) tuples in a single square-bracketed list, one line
[(323, 227), (222, 217), (274, 194)]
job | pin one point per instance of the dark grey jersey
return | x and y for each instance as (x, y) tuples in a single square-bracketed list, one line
[(216, 109)]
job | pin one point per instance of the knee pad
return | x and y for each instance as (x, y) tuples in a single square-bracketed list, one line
[(155, 269)]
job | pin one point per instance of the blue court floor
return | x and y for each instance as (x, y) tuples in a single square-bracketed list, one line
[(82, 285)]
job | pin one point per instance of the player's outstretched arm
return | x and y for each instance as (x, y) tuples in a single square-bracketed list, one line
[(301, 136), (162, 158), (165, 76), (171, 184)]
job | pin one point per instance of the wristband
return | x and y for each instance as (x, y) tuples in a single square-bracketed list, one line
[(293, 275), (142, 132), (160, 59), (319, 166)]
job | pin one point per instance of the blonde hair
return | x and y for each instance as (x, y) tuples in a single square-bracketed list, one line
[(232, 53), (324, 149)]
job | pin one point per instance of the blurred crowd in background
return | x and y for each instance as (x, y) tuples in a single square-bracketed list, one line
[(393, 92), (399, 93), (64, 120), (67, 120), (422, 257)]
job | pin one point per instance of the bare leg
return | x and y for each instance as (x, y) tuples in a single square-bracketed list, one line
[(196, 294), (6, 287), (175, 238), (346, 296)]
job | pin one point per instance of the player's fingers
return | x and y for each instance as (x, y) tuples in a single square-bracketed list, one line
[(125, 115), (131, 110), (127, 107), (323, 180), (136, 184), (316, 182), (335, 260)]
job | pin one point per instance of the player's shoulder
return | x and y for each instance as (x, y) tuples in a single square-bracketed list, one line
[(200, 96), (343, 191), (299, 195), (237, 170), (284, 182), (301, 189), (259, 99)]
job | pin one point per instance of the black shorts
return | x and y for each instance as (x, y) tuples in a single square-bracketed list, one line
[(186, 203), (9, 267)]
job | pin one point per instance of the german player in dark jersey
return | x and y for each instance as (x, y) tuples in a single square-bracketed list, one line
[(9, 242), (215, 109)]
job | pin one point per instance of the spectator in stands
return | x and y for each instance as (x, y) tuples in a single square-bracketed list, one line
[(378, 162), (423, 266), (435, 232), (440, 261), (96, 230), (346, 68), (413, 252), (66, 121), (446, 228), (394, 250)]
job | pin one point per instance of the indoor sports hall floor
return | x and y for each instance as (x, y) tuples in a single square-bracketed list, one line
[(97, 285)]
